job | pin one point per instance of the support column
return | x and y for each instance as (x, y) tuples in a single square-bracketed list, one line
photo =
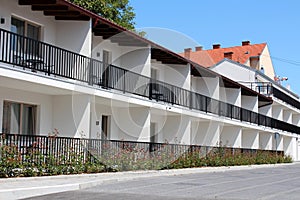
[(250, 139), (277, 112), (206, 133), (71, 115), (132, 123), (176, 130), (266, 110), (265, 141), (231, 136), (287, 116), (296, 119), (250, 103)]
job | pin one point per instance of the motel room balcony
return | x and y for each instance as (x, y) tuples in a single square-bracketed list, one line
[(275, 90), (26, 54)]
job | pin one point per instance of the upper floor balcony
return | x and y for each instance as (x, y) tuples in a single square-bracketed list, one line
[(40, 57), (268, 89)]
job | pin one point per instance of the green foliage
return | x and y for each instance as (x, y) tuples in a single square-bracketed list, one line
[(118, 11), (34, 163), (124, 158), (223, 157)]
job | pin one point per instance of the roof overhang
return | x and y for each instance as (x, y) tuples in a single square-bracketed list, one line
[(59, 9), (65, 10)]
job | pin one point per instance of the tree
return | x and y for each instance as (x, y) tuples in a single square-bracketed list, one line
[(118, 11)]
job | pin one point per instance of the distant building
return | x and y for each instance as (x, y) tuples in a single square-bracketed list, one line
[(256, 56)]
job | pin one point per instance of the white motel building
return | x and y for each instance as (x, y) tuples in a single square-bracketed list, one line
[(64, 68)]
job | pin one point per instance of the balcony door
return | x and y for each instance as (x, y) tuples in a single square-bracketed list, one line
[(105, 124), (106, 59), (19, 118), (27, 29), (153, 137), (154, 77)]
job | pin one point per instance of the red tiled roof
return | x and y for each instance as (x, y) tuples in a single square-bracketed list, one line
[(241, 54)]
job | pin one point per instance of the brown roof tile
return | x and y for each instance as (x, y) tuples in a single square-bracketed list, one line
[(241, 54)]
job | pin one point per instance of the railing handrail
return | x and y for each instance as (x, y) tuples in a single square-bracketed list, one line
[(67, 63), (3, 136)]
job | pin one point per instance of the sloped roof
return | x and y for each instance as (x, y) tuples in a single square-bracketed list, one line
[(240, 54)]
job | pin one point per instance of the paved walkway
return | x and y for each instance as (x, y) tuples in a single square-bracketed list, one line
[(18, 188)]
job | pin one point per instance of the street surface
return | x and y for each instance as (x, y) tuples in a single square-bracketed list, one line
[(264, 183)]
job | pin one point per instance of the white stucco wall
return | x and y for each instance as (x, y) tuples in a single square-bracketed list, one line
[(265, 141), (136, 59), (266, 110), (97, 110), (266, 63), (231, 96), (277, 112), (277, 143), (172, 129), (231, 136), (130, 123), (240, 73), (178, 75), (290, 146), (206, 133), (75, 36), (250, 139), (71, 115), (250, 103), (287, 116), (206, 86), (296, 119), (44, 103)]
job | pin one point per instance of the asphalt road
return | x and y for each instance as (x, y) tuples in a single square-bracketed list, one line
[(265, 183)]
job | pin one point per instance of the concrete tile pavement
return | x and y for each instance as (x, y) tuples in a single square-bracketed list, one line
[(18, 188)]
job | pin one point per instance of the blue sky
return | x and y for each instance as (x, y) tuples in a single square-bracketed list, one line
[(195, 22)]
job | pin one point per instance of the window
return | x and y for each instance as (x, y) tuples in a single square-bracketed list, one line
[(19, 118), (24, 28)]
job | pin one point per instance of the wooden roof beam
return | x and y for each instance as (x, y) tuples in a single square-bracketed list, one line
[(48, 7), (62, 13), (38, 2), (77, 18)]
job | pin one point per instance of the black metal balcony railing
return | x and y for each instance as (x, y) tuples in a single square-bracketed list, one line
[(264, 88), (43, 148), (268, 89), (41, 57), (286, 98)]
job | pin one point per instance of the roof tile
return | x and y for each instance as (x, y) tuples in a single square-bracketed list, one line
[(241, 54)]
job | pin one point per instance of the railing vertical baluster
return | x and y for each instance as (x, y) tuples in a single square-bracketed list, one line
[(124, 81), (241, 114)]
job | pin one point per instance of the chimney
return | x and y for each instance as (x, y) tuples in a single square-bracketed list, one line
[(245, 43), (216, 46), (228, 55), (187, 53), (199, 48)]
